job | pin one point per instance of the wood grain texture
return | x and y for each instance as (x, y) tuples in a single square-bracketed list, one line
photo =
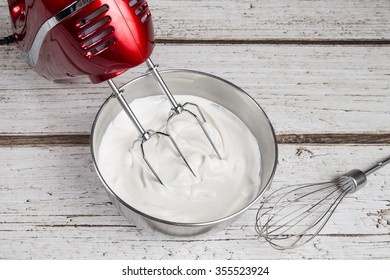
[(264, 20), (303, 89), (318, 68), (53, 206), (31, 140), (271, 20), (44, 140)]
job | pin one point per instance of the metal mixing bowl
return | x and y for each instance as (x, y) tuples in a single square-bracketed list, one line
[(185, 82)]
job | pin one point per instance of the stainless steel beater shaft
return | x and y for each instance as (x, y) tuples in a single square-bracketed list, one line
[(178, 108), (143, 134)]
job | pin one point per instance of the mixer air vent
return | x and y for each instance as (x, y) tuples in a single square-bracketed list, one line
[(93, 15), (96, 33), (141, 9)]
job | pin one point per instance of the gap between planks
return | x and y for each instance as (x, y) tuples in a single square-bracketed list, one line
[(347, 42), (84, 139)]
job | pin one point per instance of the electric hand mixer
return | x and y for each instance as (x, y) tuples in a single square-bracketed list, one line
[(96, 38)]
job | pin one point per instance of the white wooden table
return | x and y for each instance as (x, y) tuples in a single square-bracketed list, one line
[(320, 70)]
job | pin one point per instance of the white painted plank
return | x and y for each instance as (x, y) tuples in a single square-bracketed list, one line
[(264, 20), (303, 89), (280, 19), (52, 205), (117, 243)]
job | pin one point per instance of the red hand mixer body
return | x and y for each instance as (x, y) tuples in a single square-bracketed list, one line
[(70, 38), (97, 38)]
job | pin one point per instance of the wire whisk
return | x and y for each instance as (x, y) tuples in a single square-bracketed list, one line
[(292, 216)]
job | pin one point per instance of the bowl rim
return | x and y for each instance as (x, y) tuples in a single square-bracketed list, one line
[(191, 224)]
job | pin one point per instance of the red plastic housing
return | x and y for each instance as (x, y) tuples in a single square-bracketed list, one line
[(101, 40)]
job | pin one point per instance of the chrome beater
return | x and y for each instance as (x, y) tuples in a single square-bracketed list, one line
[(144, 135), (177, 108)]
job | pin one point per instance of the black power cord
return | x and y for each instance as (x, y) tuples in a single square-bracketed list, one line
[(7, 40)]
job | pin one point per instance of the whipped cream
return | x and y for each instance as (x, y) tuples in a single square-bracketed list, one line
[(221, 186)]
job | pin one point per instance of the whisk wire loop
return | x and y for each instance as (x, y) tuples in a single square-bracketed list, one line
[(297, 240), (292, 216), (282, 227), (298, 216)]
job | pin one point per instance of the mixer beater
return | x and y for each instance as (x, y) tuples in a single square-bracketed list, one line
[(292, 216), (144, 135), (176, 110)]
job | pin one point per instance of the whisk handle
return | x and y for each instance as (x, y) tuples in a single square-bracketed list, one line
[(377, 166), (356, 179)]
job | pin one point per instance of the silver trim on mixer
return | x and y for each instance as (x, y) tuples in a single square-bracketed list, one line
[(32, 55)]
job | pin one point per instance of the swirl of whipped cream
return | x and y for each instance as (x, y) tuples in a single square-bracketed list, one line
[(220, 188)]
